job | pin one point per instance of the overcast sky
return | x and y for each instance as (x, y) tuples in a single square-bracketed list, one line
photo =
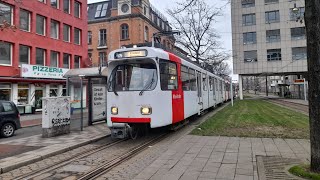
[(223, 26)]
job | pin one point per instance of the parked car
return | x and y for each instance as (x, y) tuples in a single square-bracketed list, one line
[(9, 118)]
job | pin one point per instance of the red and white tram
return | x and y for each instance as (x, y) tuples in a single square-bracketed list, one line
[(151, 87)]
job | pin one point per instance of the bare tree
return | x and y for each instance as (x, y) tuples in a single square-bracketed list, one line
[(312, 20), (195, 19), (221, 69)]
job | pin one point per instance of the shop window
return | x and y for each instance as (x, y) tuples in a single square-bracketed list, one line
[(66, 33), (24, 20), (54, 3), (53, 90), (23, 94), (7, 17), (185, 78), (5, 53), (64, 90), (77, 36), (66, 60), (77, 9), (66, 6), (24, 54), (40, 56), (168, 75), (54, 30), (54, 59), (41, 25), (5, 92)]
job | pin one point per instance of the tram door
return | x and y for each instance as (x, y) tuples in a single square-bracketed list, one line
[(199, 89)]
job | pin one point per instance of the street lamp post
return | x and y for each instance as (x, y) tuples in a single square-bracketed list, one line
[(81, 102)]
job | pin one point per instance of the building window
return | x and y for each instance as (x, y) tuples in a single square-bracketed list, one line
[(250, 56), (43, 1), (89, 37), (24, 20), (66, 6), (299, 53), (77, 9), (54, 3), (41, 25), (250, 38), (168, 75), (40, 56), (146, 33), (248, 3), (248, 19), (24, 54), (144, 10), (23, 93), (77, 61), (270, 1), (297, 16), (54, 31), (54, 59), (102, 58), (124, 31), (66, 60), (272, 16), (274, 54), (298, 33), (273, 35), (101, 10), (6, 15), (66, 33), (53, 90), (102, 38), (5, 92), (77, 36), (5, 53)]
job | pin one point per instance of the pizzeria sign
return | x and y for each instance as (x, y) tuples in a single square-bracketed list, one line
[(36, 71)]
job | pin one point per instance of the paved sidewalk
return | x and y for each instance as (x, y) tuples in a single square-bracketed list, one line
[(229, 158), (34, 148)]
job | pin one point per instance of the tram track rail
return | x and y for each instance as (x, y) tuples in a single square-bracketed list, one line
[(38, 172), (102, 168), (117, 161), (291, 105)]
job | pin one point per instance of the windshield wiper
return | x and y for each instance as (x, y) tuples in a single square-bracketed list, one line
[(147, 86)]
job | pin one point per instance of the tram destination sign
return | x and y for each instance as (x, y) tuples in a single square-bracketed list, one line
[(36, 71)]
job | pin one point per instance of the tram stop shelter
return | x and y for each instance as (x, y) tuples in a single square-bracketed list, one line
[(87, 89)]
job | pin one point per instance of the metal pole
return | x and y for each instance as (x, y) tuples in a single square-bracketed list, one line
[(305, 89), (267, 85), (68, 86), (152, 40), (81, 103), (231, 93), (240, 87)]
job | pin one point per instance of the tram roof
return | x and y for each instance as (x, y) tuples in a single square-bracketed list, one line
[(87, 72)]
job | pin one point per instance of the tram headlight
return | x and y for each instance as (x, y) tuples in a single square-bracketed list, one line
[(114, 110), (146, 110)]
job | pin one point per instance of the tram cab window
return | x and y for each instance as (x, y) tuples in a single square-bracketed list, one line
[(168, 75), (185, 78), (133, 77)]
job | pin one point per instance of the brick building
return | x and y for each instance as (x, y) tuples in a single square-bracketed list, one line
[(50, 38), (116, 23)]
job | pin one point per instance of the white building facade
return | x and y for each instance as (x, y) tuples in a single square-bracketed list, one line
[(269, 38)]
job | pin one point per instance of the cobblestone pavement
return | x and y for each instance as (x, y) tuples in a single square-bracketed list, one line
[(49, 146)]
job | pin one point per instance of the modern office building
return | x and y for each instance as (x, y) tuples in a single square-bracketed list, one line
[(269, 38), (49, 38), (113, 24)]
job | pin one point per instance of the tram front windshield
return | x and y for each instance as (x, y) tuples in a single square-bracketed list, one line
[(133, 77)]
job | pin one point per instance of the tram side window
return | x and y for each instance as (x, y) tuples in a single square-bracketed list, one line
[(211, 83), (185, 78), (168, 75), (193, 80), (214, 85), (204, 82)]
